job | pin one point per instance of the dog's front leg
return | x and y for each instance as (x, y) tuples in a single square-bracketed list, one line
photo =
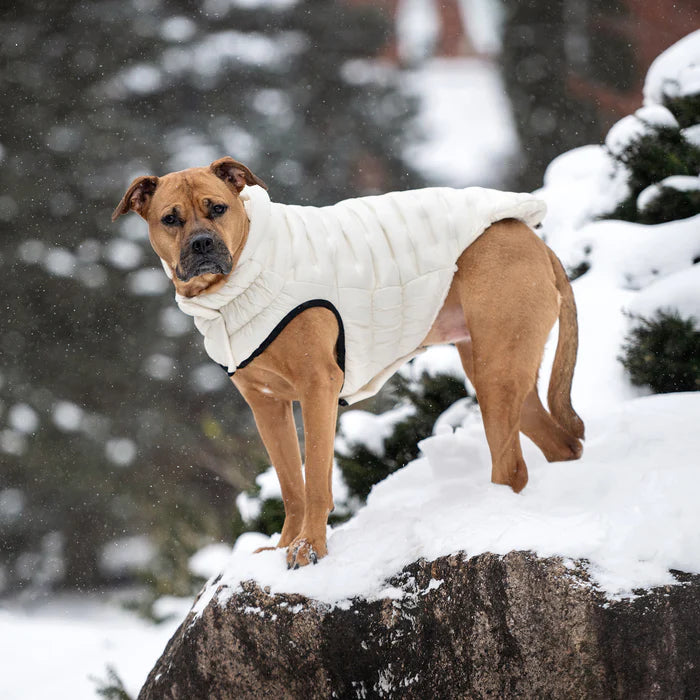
[(275, 422), (319, 408)]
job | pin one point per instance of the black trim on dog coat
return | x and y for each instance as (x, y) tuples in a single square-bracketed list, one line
[(313, 303)]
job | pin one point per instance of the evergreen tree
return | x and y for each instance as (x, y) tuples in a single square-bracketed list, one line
[(647, 160), (431, 395), (660, 152), (663, 353)]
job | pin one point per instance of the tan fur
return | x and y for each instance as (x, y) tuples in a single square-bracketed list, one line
[(508, 291)]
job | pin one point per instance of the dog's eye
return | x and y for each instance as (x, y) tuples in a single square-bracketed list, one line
[(218, 209), (170, 220)]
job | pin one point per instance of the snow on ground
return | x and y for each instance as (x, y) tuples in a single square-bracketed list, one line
[(629, 506), (55, 649), (469, 137)]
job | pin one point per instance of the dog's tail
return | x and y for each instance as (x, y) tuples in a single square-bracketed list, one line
[(559, 394)]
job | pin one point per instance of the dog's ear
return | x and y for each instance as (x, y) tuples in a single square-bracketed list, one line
[(235, 174), (137, 197)]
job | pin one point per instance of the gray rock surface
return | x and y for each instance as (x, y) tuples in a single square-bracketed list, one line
[(514, 626)]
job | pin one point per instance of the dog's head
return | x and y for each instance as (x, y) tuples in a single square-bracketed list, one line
[(196, 221)]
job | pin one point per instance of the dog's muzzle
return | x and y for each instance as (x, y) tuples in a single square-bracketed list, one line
[(204, 252)]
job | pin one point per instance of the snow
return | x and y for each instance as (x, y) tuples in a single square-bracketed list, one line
[(60, 262), (644, 121), (67, 416), (173, 322), (683, 183), (692, 134), (123, 253), (680, 291), (74, 639), (625, 131), (579, 185), (369, 429), (213, 54), (120, 451), (208, 377), (12, 503), (127, 555), (12, 442), (148, 281), (159, 366), (269, 485), (223, 6), (483, 21), (23, 418), (439, 359), (465, 118), (417, 29), (31, 251), (142, 78), (611, 243), (208, 561), (178, 28), (249, 506), (675, 72), (657, 115)]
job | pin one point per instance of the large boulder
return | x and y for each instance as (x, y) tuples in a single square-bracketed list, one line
[(514, 626)]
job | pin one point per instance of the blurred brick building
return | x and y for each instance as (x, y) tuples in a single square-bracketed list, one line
[(609, 44), (624, 38)]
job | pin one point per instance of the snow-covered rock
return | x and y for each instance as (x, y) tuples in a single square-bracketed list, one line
[(512, 626)]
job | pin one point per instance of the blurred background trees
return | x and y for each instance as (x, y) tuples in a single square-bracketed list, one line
[(121, 445), (115, 423)]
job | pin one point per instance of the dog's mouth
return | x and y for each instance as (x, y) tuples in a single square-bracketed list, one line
[(194, 261), (202, 267)]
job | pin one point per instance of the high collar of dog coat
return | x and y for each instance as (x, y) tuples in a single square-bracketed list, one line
[(382, 264)]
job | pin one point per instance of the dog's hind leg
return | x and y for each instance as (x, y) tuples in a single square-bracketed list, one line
[(501, 393), (510, 302), (557, 444)]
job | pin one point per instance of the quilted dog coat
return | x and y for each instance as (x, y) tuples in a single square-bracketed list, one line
[(383, 264)]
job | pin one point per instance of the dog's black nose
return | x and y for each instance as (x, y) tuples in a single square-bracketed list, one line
[(202, 243)]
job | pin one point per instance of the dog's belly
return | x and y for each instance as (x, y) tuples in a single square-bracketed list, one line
[(449, 326)]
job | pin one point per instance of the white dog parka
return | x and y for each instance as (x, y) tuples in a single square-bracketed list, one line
[(382, 264)]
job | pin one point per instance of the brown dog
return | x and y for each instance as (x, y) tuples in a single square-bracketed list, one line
[(507, 292)]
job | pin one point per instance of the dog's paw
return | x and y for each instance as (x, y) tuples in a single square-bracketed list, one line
[(302, 553)]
